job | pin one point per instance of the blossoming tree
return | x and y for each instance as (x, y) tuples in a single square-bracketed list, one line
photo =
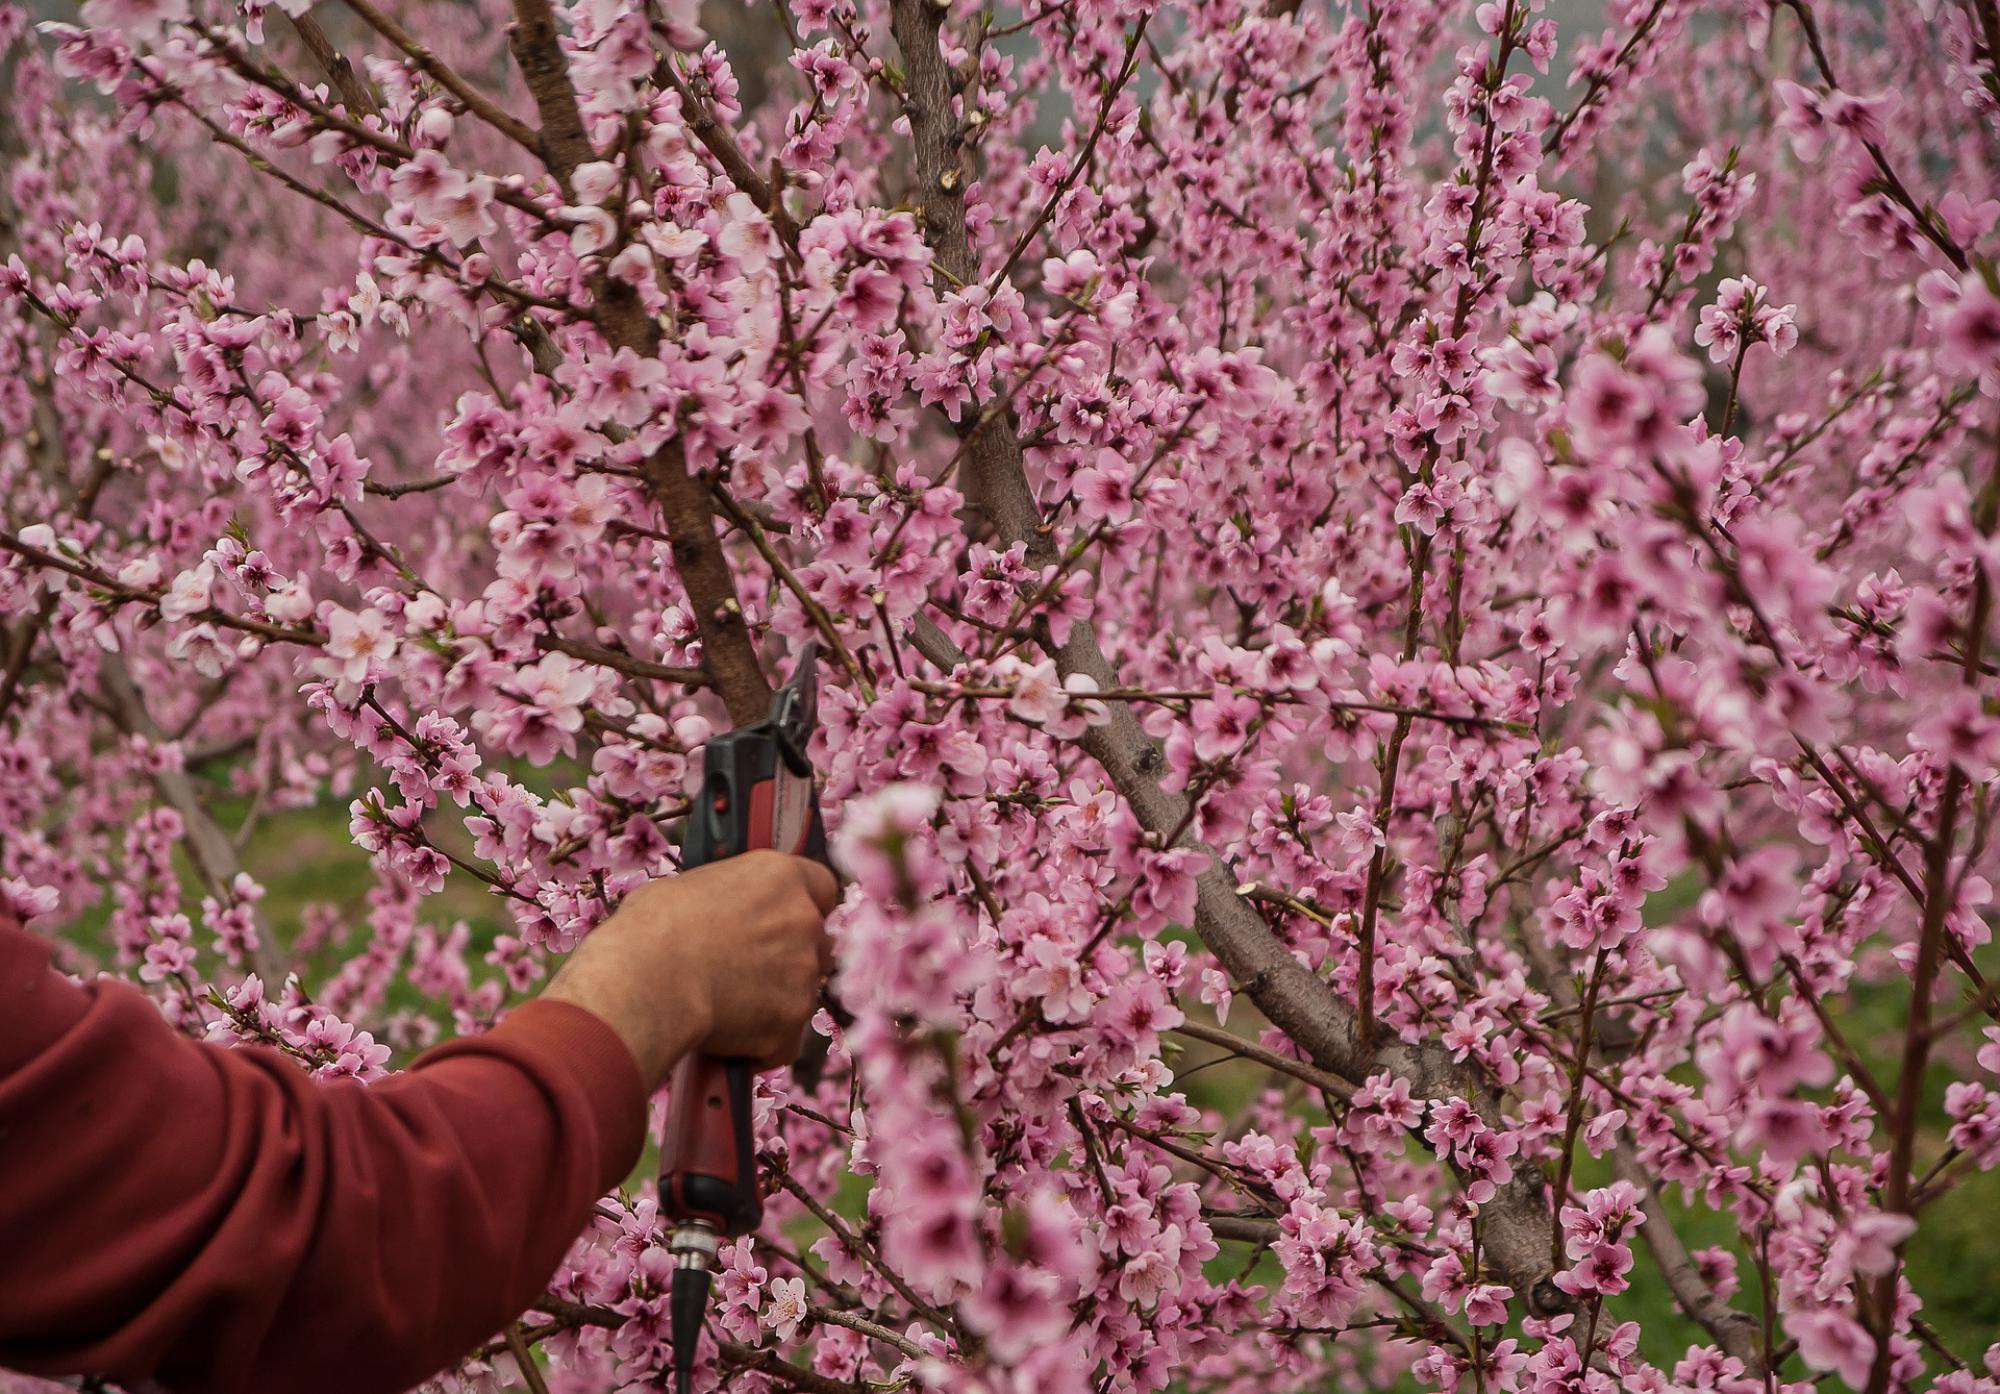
[(1441, 557)]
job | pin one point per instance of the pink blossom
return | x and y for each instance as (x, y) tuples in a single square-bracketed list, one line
[(357, 640), (787, 1308), (1831, 1341), (1638, 404), (141, 20), (1971, 327), (1600, 1272)]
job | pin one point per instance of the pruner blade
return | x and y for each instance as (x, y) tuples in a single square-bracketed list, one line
[(795, 706)]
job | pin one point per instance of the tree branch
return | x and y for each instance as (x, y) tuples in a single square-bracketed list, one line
[(764, 1362), (1516, 1222), (1244, 1228), (538, 51), (628, 664), (33, 627), (1737, 1333), (873, 1330), (354, 93), (717, 139), (477, 102), (1270, 1059), (727, 652)]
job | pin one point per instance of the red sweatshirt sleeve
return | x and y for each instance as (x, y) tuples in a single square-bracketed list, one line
[(214, 1220)]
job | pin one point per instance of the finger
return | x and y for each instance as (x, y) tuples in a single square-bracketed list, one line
[(819, 882), (784, 1058), (823, 945)]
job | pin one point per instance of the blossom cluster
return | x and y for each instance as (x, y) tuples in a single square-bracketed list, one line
[(1405, 592)]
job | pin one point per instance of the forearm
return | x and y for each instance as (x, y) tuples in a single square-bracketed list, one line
[(452, 1193), (216, 1220)]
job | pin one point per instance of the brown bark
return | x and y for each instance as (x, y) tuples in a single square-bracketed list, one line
[(727, 650), (354, 93), (1737, 1333), (1517, 1227)]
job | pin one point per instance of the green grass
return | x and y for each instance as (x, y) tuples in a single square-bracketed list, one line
[(305, 860)]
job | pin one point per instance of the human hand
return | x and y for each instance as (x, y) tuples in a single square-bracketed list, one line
[(726, 959)]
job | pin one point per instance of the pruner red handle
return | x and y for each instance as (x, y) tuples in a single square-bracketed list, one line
[(708, 1162), (756, 792)]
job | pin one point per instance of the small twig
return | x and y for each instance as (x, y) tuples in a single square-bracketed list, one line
[(873, 1330), (524, 1360), (1298, 1069), (446, 77), (1270, 895), (1077, 166), (629, 664)]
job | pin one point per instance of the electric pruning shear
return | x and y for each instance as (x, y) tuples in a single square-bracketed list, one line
[(757, 790)]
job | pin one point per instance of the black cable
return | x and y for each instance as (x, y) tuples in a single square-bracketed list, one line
[(687, 1300)]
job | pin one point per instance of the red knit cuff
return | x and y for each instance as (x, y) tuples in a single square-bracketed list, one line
[(579, 1046)]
